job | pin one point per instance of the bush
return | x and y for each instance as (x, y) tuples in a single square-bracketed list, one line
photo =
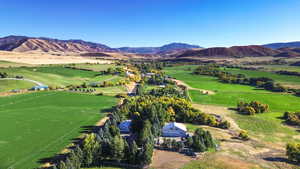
[(292, 118), (293, 152), (244, 135), (252, 108)]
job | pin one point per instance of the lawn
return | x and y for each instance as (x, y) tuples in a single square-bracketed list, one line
[(38, 125), (8, 85), (229, 95), (56, 75)]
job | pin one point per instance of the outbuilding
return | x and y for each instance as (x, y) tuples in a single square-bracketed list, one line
[(174, 129), (39, 88)]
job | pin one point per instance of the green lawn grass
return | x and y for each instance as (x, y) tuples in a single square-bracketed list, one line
[(39, 125), (230, 94), (8, 85), (56, 75)]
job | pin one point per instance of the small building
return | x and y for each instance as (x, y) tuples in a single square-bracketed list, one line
[(174, 129), (125, 126), (39, 88)]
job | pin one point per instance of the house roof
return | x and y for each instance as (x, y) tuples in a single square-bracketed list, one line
[(175, 125)]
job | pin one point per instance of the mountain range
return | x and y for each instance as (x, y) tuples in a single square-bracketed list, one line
[(28, 44), (283, 45), (25, 44), (241, 51)]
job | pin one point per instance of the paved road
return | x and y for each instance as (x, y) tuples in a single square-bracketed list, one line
[(29, 80)]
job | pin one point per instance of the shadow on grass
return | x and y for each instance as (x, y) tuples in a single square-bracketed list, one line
[(76, 141), (280, 159)]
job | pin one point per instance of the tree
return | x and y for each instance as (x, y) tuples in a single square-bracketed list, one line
[(147, 152), (62, 165), (133, 151), (90, 147), (117, 148)]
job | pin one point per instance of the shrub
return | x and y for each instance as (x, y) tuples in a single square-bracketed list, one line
[(244, 135), (252, 108), (293, 152)]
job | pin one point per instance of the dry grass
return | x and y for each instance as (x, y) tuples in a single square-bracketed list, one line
[(46, 58)]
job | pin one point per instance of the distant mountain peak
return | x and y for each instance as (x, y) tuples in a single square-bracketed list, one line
[(295, 44)]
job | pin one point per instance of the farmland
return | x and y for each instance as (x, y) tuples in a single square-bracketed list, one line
[(57, 75), (38, 125), (8, 85), (228, 95)]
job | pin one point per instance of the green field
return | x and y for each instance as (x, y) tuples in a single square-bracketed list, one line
[(8, 85), (38, 125), (56, 75), (229, 94), (284, 79), (95, 67), (279, 67)]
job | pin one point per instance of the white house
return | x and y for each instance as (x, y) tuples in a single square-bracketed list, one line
[(174, 129), (125, 126)]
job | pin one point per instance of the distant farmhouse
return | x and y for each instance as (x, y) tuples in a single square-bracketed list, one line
[(171, 129), (39, 88)]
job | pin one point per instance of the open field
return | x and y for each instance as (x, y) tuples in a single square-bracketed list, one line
[(38, 125), (5, 64), (95, 67), (229, 95), (8, 85), (57, 75), (45, 58), (283, 79), (278, 67)]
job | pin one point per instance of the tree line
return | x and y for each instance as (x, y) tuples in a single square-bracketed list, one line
[(227, 77)]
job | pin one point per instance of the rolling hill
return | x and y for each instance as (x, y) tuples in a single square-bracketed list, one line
[(26, 44), (235, 51), (169, 48), (283, 45)]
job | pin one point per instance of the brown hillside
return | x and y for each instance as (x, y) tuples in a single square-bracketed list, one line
[(235, 51)]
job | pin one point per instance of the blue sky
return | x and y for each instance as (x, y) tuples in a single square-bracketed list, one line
[(119, 23)]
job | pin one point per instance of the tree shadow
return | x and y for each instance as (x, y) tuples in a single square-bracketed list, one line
[(280, 159)]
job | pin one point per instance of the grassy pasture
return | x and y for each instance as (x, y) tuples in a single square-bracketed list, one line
[(38, 125), (95, 67), (56, 75), (284, 79), (4, 64), (8, 85), (228, 95), (279, 67)]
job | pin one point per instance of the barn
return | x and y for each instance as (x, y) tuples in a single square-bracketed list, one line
[(174, 129)]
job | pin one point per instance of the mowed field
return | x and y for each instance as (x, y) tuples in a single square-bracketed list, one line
[(268, 126), (8, 85), (41, 124), (58, 75)]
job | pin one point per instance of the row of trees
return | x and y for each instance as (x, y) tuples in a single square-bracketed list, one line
[(165, 109), (254, 107), (113, 71), (226, 77), (284, 72)]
